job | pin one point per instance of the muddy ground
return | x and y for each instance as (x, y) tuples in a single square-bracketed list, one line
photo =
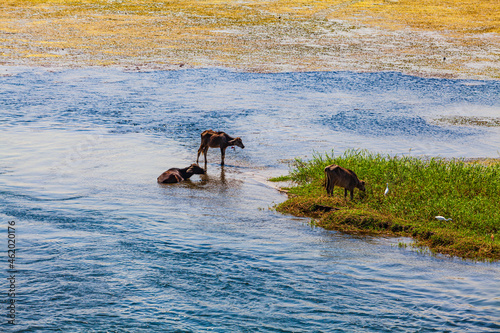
[(459, 39)]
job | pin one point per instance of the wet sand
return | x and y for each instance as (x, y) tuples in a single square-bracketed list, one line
[(436, 39)]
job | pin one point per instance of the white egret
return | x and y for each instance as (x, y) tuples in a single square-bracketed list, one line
[(386, 189), (442, 218)]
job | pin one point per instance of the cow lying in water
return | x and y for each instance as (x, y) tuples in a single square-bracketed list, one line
[(176, 175), (338, 176), (212, 139)]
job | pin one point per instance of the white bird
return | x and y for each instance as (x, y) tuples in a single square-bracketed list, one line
[(386, 189), (442, 218)]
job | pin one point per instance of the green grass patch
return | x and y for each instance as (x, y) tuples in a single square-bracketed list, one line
[(467, 191)]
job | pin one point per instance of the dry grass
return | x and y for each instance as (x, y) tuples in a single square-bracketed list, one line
[(399, 35), (450, 16), (470, 121)]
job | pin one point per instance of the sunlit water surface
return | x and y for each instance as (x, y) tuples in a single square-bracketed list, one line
[(103, 248)]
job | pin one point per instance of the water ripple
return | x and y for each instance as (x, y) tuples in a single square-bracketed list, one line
[(385, 123), (103, 247)]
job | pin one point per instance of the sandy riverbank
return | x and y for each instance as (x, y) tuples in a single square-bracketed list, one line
[(436, 38)]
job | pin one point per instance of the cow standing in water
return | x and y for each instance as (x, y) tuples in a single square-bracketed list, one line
[(176, 175), (339, 176), (212, 139)]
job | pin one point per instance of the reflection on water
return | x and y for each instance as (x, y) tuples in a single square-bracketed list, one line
[(103, 247), (214, 181)]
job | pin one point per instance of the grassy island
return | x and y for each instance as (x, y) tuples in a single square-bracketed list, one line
[(468, 191)]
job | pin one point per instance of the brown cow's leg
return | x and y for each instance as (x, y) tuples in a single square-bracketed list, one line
[(200, 150), (345, 193), (205, 154), (178, 179), (352, 194), (222, 155), (330, 190)]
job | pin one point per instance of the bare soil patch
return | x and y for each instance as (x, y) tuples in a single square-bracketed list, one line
[(432, 38)]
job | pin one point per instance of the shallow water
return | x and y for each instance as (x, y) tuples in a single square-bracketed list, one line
[(103, 247)]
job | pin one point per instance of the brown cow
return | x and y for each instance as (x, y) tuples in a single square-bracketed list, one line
[(338, 176), (176, 175), (212, 139)]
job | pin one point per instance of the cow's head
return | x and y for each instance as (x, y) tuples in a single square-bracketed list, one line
[(361, 185), (237, 142), (196, 169)]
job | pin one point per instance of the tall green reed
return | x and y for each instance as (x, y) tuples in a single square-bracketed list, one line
[(419, 187)]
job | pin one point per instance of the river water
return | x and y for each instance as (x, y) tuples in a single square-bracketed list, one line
[(101, 247)]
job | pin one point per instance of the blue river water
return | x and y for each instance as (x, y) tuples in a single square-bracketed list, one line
[(101, 247)]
